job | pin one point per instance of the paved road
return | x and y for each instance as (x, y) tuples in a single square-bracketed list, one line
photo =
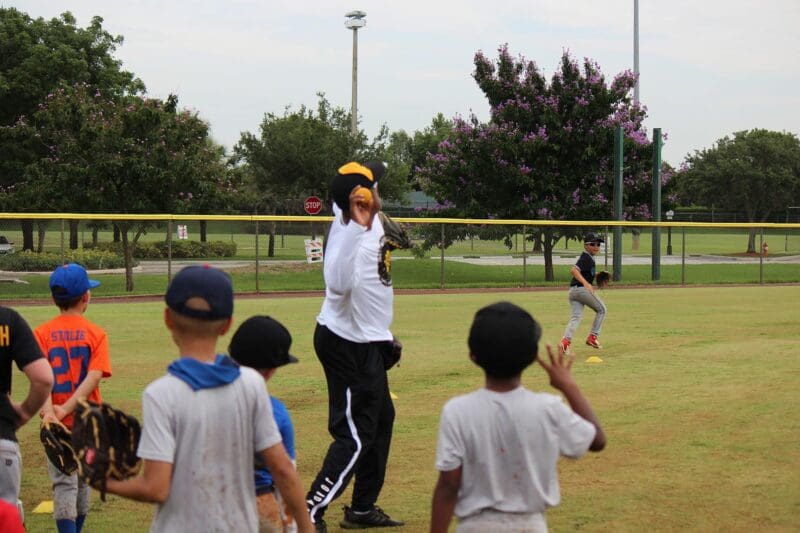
[(626, 260), (161, 266)]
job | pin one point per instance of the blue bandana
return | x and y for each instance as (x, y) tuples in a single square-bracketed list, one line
[(199, 375)]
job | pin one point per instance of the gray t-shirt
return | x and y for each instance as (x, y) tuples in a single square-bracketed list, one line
[(209, 436), (508, 444)]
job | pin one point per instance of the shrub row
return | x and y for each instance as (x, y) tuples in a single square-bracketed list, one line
[(27, 261), (180, 249)]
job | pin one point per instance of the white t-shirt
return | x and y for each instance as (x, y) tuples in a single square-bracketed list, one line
[(209, 436), (508, 444), (357, 306)]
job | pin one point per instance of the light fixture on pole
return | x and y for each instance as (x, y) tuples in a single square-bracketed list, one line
[(355, 20), (669, 214)]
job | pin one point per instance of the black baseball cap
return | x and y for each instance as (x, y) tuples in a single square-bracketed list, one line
[(205, 282), (593, 237), (354, 174), (261, 342), (504, 339)]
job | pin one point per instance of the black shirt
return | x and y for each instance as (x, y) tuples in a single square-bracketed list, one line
[(17, 344), (585, 264)]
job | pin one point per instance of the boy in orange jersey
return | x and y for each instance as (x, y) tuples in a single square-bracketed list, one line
[(78, 353)]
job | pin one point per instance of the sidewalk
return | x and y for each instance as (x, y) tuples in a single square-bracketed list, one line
[(600, 259)]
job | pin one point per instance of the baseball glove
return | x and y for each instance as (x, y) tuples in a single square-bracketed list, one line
[(603, 278), (394, 238), (57, 441), (392, 354), (105, 442)]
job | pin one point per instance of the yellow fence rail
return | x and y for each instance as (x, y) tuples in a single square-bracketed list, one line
[(409, 220)]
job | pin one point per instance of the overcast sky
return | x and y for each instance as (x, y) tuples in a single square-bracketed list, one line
[(708, 67)]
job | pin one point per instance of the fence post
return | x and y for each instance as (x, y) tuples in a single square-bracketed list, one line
[(524, 256), (62, 242), (169, 251), (618, 161), (683, 255), (655, 252), (257, 284), (441, 269), (761, 256)]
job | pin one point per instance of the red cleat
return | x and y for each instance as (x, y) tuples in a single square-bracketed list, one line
[(592, 341), (563, 346)]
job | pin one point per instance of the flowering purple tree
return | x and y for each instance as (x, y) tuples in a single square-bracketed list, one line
[(118, 155), (546, 152)]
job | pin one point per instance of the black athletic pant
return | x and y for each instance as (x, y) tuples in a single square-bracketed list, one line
[(360, 419)]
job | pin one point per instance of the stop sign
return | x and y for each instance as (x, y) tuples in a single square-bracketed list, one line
[(312, 205)]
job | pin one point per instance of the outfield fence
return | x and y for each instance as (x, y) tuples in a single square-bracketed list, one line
[(269, 253)]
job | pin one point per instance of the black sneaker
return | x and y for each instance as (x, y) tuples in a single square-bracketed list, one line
[(375, 517), (320, 526)]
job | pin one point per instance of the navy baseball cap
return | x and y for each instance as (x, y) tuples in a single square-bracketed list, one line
[(70, 281), (504, 339), (207, 283), (593, 237), (352, 175), (261, 342)]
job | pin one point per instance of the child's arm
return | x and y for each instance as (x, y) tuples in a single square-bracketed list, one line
[(445, 496), (561, 379), (289, 485), (89, 383), (40, 376), (151, 486)]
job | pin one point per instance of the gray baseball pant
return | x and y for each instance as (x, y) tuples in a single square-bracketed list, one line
[(578, 298), (70, 494), (10, 471)]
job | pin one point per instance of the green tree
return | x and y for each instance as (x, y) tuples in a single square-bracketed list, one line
[(126, 155), (756, 172), (546, 152), (218, 193), (298, 152), (37, 57)]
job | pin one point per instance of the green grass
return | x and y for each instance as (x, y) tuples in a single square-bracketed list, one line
[(423, 274), (698, 394)]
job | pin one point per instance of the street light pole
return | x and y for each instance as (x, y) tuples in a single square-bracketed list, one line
[(355, 20), (669, 214)]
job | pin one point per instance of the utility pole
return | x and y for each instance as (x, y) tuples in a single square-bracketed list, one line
[(636, 50), (355, 20)]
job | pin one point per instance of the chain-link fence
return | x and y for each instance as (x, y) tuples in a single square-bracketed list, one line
[(268, 253)]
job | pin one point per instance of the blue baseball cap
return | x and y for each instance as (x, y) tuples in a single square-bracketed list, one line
[(70, 281), (207, 283)]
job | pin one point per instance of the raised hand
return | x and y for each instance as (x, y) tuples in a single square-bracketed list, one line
[(559, 368)]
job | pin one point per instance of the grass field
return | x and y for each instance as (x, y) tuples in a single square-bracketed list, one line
[(423, 274), (698, 393)]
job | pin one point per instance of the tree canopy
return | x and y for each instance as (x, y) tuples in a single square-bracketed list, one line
[(111, 155), (298, 152), (546, 152), (39, 56), (755, 171)]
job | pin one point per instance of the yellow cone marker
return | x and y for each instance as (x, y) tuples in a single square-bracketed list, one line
[(392, 395), (594, 359), (46, 507)]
